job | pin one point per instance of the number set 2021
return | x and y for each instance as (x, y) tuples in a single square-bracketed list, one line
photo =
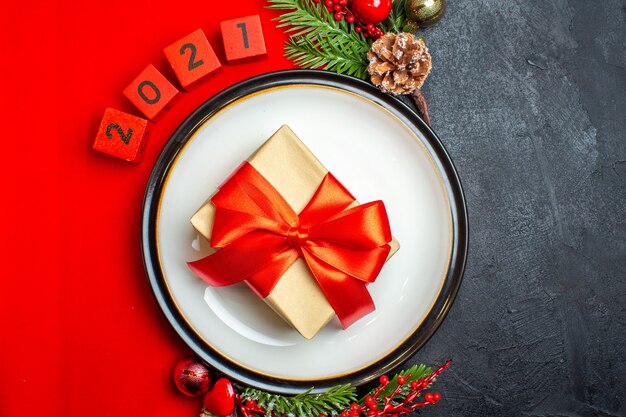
[(193, 60)]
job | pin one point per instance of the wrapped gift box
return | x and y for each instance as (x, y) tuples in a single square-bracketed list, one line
[(296, 174)]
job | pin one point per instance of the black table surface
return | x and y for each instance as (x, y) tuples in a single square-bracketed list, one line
[(529, 98)]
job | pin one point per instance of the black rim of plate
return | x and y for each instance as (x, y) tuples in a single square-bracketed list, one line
[(442, 160)]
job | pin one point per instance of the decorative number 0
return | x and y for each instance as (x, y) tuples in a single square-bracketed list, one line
[(157, 92), (192, 56), (125, 137), (244, 32)]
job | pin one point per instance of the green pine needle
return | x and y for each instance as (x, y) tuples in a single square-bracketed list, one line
[(331, 402), (342, 58), (416, 372), (319, 41), (305, 404), (396, 18)]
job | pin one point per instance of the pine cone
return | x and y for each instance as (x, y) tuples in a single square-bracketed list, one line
[(398, 63)]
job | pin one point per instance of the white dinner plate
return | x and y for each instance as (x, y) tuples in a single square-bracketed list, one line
[(379, 149)]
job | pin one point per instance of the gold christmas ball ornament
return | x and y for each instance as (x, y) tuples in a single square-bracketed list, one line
[(424, 12)]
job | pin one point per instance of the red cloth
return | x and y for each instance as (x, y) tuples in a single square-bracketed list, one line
[(81, 333)]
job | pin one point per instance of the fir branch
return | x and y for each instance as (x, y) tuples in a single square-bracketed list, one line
[(387, 400), (340, 57), (414, 373), (396, 18), (304, 404), (319, 41), (311, 19)]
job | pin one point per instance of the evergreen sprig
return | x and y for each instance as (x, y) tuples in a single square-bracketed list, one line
[(392, 398), (396, 18), (317, 40), (307, 18), (413, 373), (304, 404), (342, 58)]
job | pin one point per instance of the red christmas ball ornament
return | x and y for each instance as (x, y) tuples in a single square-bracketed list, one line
[(220, 401), (191, 377), (371, 11)]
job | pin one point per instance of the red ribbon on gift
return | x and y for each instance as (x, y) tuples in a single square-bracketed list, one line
[(260, 237)]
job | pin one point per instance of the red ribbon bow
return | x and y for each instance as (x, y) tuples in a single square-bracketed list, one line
[(260, 237)]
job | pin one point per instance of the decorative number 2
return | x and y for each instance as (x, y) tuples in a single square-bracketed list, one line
[(192, 56), (125, 137), (244, 32)]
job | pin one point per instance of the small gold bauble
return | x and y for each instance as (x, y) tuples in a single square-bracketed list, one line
[(424, 12)]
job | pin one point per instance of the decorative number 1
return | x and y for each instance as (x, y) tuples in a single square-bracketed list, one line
[(244, 32)]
